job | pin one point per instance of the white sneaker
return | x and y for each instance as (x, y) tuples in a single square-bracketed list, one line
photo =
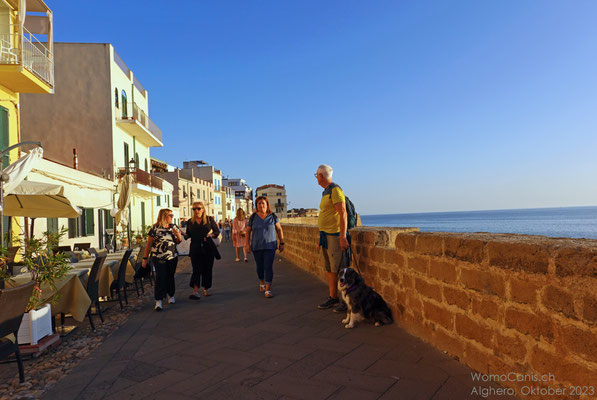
[(171, 300), (158, 305)]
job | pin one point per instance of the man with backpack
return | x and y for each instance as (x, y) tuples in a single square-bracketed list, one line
[(333, 228)]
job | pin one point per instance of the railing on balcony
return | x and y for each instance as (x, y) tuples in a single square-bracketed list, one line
[(132, 111), (26, 50), (143, 177)]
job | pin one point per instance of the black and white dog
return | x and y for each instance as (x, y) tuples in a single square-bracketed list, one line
[(362, 301)]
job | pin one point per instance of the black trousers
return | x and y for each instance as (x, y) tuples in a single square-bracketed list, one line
[(203, 265), (164, 277)]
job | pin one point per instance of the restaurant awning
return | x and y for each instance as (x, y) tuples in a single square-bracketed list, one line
[(39, 200)]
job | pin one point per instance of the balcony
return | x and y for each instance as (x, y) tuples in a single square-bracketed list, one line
[(144, 184), (133, 120), (26, 64)]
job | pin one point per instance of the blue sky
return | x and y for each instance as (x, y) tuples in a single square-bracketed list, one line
[(417, 105)]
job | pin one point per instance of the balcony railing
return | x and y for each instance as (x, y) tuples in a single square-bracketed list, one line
[(131, 111), (143, 178), (26, 50)]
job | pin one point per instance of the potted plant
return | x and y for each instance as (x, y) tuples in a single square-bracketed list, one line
[(46, 268)]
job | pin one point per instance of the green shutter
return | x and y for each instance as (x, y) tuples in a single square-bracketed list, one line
[(89, 222), (158, 200), (109, 219), (72, 227), (4, 137), (52, 225), (142, 213)]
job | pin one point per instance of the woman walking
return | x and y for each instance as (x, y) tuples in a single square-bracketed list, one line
[(238, 233), (261, 232), (161, 246), (199, 228)]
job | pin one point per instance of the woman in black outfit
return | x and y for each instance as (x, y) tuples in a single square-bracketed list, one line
[(199, 228)]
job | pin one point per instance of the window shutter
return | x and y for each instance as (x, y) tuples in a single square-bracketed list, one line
[(89, 222)]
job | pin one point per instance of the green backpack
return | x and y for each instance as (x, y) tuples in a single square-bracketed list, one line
[(351, 213)]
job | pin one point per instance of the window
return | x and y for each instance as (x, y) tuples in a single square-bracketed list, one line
[(4, 135), (168, 200), (126, 155), (52, 225), (124, 105), (158, 201), (116, 97), (198, 194), (83, 225), (137, 160), (146, 166), (204, 195)]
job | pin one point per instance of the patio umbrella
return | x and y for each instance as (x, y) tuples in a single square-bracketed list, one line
[(18, 170), (39, 200), (120, 213)]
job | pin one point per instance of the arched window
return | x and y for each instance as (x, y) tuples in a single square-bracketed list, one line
[(116, 97), (124, 104)]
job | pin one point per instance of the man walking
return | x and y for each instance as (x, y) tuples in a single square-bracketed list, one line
[(333, 242)]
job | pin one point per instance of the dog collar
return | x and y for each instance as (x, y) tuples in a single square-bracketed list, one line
[(350, 289)]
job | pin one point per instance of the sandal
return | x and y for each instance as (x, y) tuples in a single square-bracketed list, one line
[(237, 260), (206, 293), (262, 288), (268, 294)]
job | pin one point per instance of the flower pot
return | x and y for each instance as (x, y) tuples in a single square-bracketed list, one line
[(36, 325)]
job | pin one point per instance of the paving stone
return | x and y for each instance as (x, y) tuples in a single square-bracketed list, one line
[(362, 357), (298, 388), (312, 364), (355, 379)]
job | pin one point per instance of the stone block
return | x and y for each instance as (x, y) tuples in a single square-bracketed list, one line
[(419, 264), (406, 242), (408, 281), (448, 341), (558, 300), (523, 290), (529, 323), (483, 281), (475, 330), (576, 261), (487, 308), (391, 257), (429, 290), (529, 257), (565, 370), (456, 297), (443, 271), (476, 358), (511, 345), (438, 315), (589, 312), (469, 250), (578, 340), (430, 244)]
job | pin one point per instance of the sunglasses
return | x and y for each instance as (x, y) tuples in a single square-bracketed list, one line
[(170, 215), (197, 208)]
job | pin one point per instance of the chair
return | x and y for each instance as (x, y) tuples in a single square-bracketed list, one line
[(137, 264), (7, 53), (12, 307), (93, 252), (93, 289), (120, 282)]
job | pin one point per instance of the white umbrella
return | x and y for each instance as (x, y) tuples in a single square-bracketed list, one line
[(39, 200), (18, 170), (120, 213)]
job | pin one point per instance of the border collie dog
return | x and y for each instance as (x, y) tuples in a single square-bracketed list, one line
[(362, 301)]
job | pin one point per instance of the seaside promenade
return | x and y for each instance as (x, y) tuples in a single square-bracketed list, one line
[(236, 344)]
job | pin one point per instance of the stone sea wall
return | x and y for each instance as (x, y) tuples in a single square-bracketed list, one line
[(499, 303)]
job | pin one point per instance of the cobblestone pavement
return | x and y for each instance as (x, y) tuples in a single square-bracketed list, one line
[(236, 344)]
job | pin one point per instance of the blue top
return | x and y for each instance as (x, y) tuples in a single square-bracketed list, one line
[(264, 232)]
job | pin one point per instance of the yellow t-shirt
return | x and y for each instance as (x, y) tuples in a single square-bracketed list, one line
[(329, 219)]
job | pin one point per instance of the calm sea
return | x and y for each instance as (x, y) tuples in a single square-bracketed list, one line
[(572, 222)]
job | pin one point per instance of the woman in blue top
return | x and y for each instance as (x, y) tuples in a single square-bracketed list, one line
[(261, 231)]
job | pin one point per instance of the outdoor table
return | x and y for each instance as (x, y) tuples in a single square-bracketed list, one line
[(72, 299), (109, 271)]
